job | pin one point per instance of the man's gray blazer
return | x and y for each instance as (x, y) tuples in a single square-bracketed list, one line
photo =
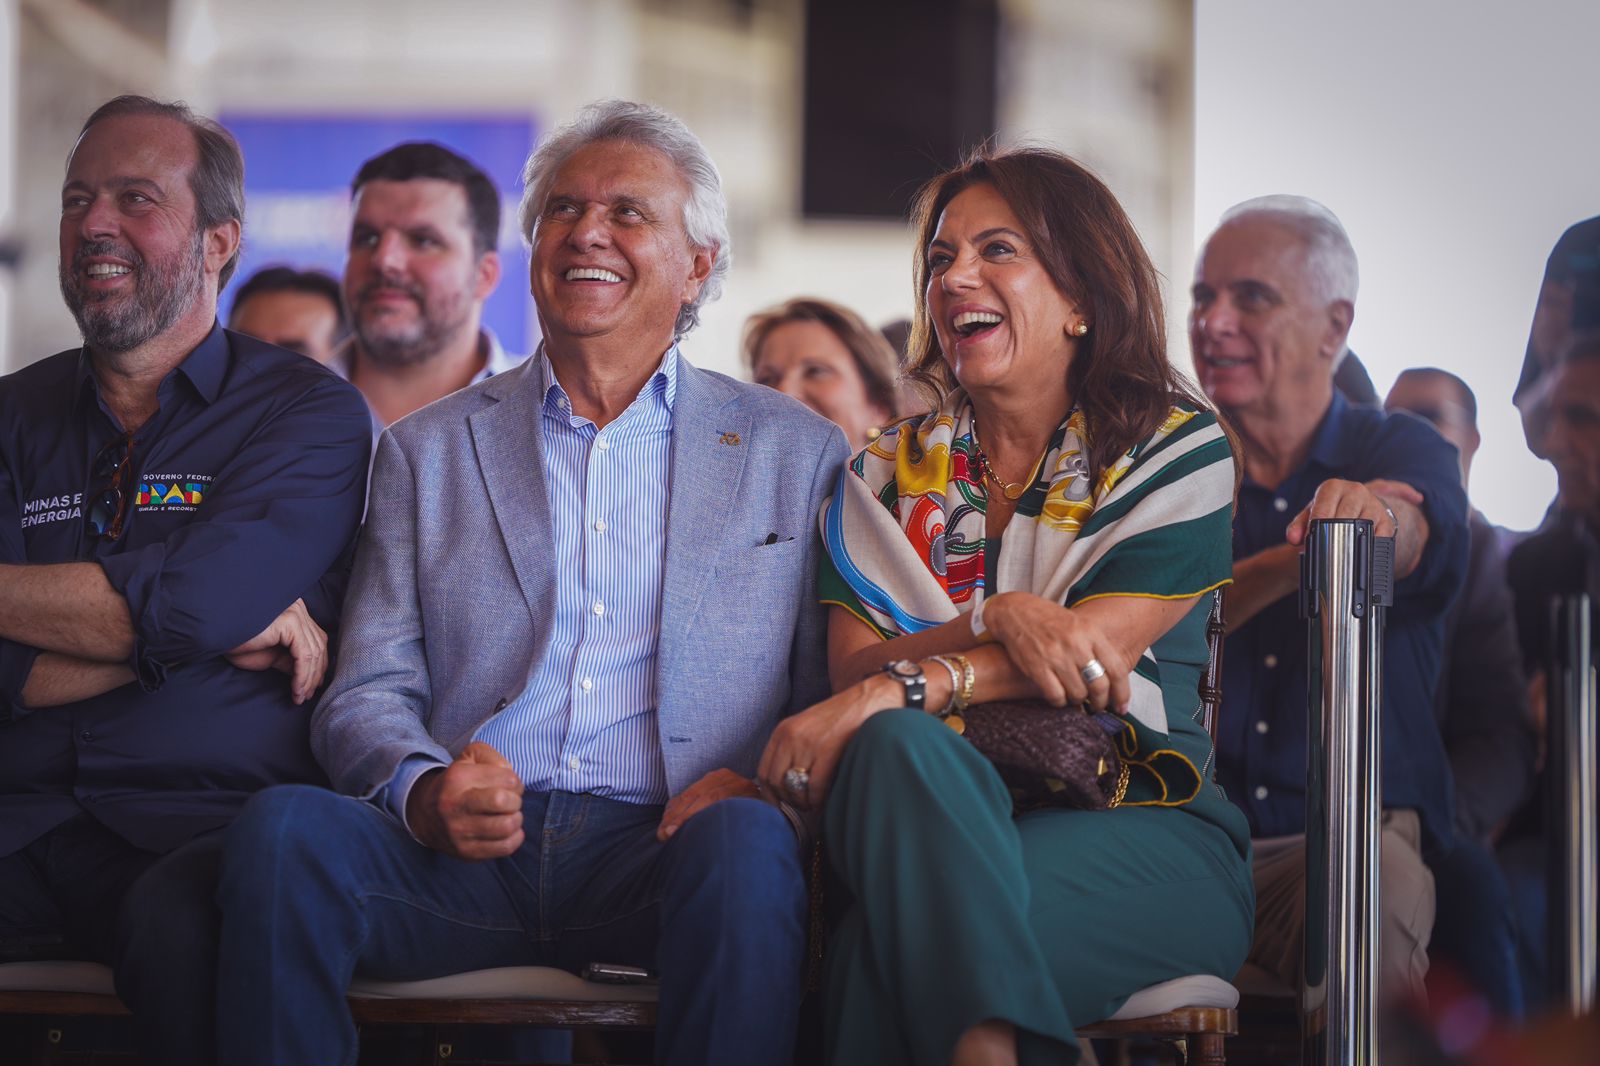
[(448, 612)]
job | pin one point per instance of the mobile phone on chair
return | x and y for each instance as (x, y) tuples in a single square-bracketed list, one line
[(616, 973)]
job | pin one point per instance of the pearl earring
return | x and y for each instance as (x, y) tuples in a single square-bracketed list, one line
[(1080, 329)]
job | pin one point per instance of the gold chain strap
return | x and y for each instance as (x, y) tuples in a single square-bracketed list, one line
[(1122, 787)]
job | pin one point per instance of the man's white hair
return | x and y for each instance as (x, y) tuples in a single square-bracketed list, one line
[(1331, 262), (705, 213)]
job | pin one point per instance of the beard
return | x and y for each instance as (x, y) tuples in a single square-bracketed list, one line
[(395, 345), (164, 289)]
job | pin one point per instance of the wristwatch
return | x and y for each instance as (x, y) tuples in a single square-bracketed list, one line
[(910, 675)]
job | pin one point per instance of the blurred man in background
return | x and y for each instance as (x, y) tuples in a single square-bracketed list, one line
[(300, 310), (1482, 709), (422, 261), (1562, 558)]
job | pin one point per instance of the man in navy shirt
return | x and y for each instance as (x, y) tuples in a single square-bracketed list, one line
[(1274, 296), (176, 503)]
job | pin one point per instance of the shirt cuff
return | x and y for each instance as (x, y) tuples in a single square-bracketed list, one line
[(16, 663), (392, 796), (136, 577)]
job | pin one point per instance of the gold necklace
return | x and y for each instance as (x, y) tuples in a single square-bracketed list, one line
[(1010, 490)]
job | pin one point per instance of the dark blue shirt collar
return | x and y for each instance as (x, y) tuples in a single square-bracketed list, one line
[(205, 367), (1333, 447)]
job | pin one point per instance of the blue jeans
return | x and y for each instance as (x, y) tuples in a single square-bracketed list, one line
[(318, 887), (1474, 924), (148, 916)]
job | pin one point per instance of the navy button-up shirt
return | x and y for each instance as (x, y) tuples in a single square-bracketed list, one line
[(245, 492), (1261, 742)]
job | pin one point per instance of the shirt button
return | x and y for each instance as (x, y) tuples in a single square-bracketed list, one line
[(1261, 792), (573, 762), (1270, 661), (602, 443), (599, 608), (1280, 504), (1262, 727), (86, 736), (600, 525), (586, 684)]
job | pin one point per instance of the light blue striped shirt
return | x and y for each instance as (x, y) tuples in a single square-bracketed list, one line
[(586, 722)]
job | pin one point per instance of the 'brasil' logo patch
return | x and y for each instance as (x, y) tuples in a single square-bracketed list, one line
[(172, 492)]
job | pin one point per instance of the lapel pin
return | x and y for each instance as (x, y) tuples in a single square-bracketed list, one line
[(731, 439)]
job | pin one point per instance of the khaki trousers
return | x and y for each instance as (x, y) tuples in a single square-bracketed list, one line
[(1279, 869)]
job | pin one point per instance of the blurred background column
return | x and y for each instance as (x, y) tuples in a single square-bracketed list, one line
[(9, 250)]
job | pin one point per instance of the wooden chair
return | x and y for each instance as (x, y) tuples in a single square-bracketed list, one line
[(1194, 1015)]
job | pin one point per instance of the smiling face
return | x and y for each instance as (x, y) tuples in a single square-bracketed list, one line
[(1001, 320), (1261, 333), (133, 260), (414, 282), (808, 361), (611, 259)]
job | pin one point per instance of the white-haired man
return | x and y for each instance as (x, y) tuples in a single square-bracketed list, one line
[(581, 603), (1274, 296)]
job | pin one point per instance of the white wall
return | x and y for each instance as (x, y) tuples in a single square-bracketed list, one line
[(1455, 138)]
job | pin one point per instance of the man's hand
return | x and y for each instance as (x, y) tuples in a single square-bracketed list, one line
[(716, 786), (293, 643), (1337, 498), (1373, 501), (471, 809)]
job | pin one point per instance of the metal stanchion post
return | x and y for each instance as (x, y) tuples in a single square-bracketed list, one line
[(1346, 581), (1570, 797)]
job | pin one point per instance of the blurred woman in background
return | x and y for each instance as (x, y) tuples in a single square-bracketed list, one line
[(826, 357)]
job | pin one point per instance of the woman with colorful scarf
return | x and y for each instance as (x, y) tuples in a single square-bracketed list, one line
[(1047, 532)]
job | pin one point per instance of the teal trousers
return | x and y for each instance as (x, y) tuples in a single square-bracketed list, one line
[(963, 912)]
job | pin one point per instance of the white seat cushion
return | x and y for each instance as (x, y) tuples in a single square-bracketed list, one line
[(56, 977), (505, 982), (544, 982), (1196, 990)]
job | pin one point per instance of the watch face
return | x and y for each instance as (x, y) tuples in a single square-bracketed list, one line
[(903, 668)]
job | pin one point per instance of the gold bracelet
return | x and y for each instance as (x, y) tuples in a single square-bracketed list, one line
[(969, 682)]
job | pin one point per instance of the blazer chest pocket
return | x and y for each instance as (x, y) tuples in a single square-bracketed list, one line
[(775, 559)]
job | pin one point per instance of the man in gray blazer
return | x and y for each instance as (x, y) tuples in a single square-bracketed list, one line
[(582, 600)]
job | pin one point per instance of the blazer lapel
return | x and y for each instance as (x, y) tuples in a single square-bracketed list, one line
[(709, 431), (509, 440)]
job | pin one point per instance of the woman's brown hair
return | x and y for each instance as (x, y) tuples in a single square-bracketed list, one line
[(1120, 376), (875, 360)]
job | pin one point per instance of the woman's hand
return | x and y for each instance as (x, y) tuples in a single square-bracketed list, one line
[(814, 740), (1051, 644), (714, 787)]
